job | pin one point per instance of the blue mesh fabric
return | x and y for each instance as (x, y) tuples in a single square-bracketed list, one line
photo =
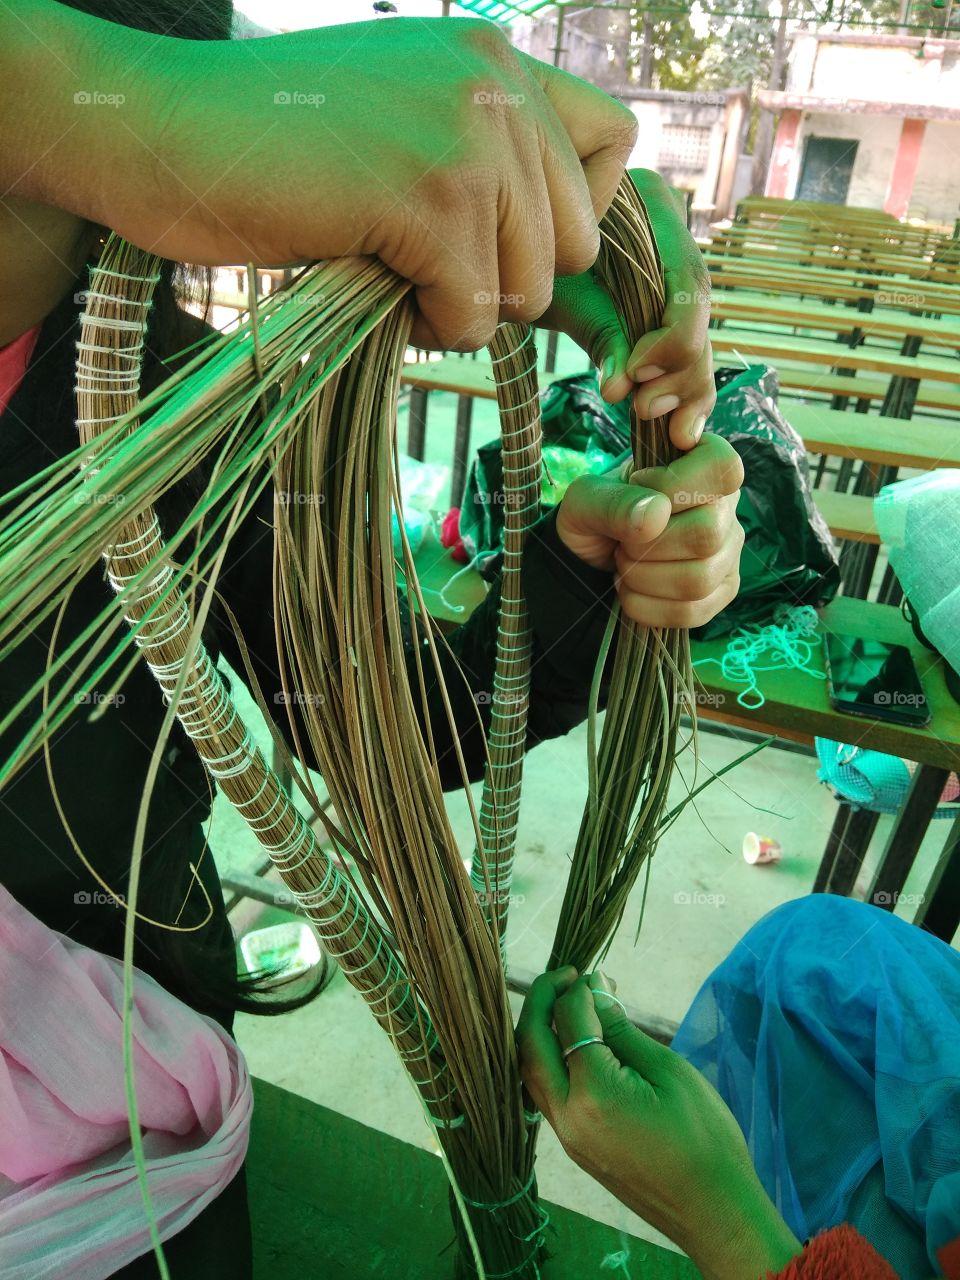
[(868, 779), (832, 1031)]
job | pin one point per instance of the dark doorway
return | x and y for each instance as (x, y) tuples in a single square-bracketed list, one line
[(826, 169)]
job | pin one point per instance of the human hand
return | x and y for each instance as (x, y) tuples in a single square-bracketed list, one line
[(671, 534), (644, 1123), (472, 170), (673, 361)]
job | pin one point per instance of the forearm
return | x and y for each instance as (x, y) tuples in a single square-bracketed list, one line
[(76, 97)]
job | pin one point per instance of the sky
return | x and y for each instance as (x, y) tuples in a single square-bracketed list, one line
[(293, 15)]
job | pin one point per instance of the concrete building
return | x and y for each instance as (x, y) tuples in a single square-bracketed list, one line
[(693, 140), (870, 120)]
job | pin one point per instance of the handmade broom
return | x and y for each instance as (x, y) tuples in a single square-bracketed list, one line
[(418, 947)]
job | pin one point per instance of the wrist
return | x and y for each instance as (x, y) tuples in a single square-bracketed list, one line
[(78, 110), (748, 1240)]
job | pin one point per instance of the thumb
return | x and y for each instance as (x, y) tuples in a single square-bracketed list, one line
[(631, 1046), (606, 507)]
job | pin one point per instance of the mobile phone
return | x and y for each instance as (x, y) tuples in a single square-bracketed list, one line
[(874, 679)]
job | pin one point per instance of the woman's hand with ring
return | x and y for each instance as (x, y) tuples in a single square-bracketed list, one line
[(646, 1124)]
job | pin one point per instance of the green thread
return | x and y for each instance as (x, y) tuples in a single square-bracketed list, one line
[(503, 1204)]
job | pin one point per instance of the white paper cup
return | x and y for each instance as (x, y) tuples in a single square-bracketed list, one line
[(760, 849)]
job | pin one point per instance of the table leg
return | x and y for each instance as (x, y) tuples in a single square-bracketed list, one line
[(461, 449), (417, 423), (550, 355), (852, 851), (940, 910), (834, 840), (907, 834), (846, 850)]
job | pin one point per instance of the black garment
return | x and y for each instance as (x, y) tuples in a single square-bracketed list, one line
[(100, 767)]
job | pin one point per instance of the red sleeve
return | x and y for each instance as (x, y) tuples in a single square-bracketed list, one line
[(838, 1254)]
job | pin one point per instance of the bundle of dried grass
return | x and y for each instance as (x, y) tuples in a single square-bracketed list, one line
[(630, 770), (405, 925)]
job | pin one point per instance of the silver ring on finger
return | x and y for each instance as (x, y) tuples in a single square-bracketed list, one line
[(581, 1044)]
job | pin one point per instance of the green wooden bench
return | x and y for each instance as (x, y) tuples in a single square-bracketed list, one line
[(823, 430), (820, 352), (801, 258), (759, 309), (807, 381), (330, 1197), (891, 442), (905, 296), (905, 371)]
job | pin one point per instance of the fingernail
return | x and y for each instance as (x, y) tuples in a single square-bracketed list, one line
[(696, 428), (638, 511), (646, 372), (603, 981), (663, 404), (607, 370)]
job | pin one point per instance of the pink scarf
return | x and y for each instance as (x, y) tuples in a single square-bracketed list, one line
[(70, 1204)]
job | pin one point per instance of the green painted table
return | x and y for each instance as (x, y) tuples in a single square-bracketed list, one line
[(332, 1198)]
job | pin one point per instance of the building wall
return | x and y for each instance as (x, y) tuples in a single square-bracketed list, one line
[(878, 135), (926, 72), (936, 188), (682, 139)]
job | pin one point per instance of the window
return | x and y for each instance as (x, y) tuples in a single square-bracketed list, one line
[(684, 147)]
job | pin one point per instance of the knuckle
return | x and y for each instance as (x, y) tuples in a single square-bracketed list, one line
[(471, 335), (532, 305), (731, 474), (483, 36), (693, 613), (449, 185), (704, 537), (698, 581), (624, 129)]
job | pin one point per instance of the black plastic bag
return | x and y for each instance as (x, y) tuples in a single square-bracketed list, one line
[(574, 416), (788, 555)]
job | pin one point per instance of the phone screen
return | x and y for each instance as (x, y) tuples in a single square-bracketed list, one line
[(875, 679)]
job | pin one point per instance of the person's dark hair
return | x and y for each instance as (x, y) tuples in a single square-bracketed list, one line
[(203, 975)]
